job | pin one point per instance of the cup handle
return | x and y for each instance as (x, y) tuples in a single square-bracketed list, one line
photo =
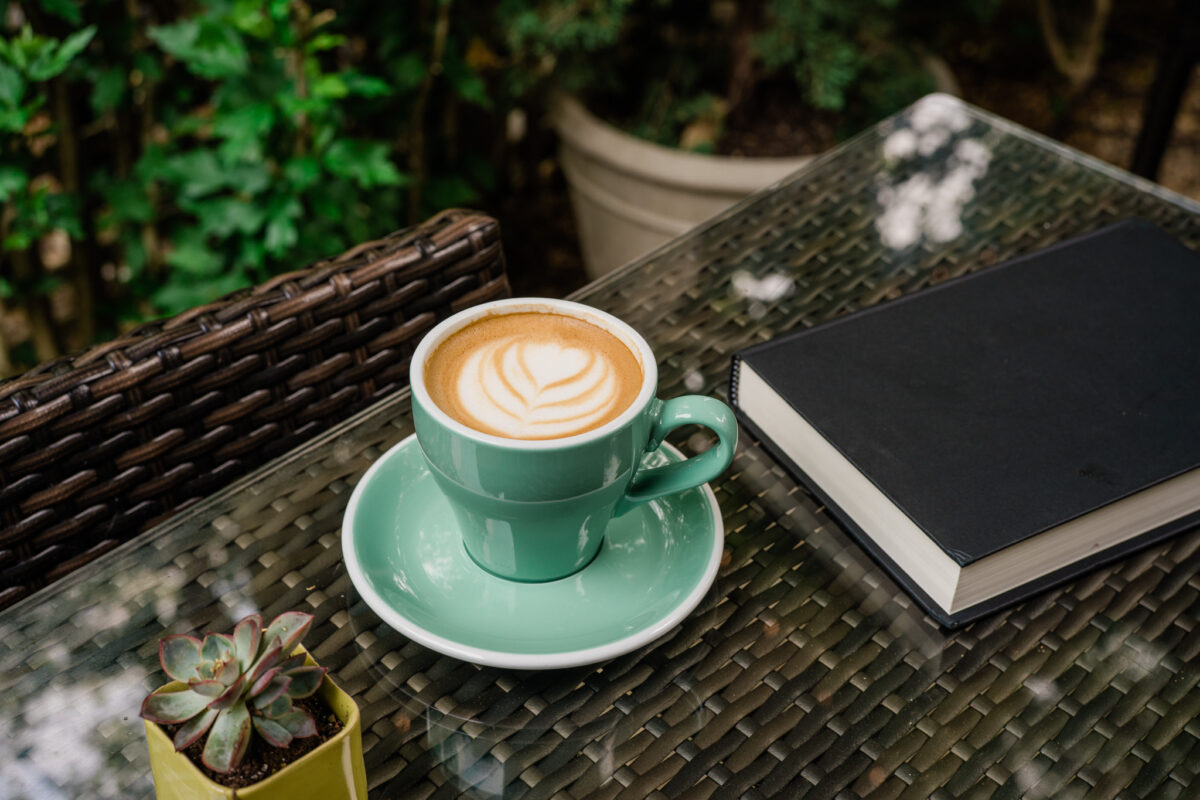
[(651, 482)]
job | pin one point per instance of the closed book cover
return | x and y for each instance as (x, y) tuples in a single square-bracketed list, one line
[(1002, 432)]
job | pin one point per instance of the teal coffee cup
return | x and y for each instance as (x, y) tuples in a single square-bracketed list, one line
[(536, 509)]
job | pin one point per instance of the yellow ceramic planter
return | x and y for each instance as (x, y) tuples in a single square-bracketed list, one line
[(334, 771)]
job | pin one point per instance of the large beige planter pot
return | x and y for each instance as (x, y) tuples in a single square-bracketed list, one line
[(629, 195)]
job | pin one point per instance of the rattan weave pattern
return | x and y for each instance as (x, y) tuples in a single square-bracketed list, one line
[(95, 448), (805, 672)]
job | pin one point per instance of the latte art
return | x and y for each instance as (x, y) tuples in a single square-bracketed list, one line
[(533, 376)]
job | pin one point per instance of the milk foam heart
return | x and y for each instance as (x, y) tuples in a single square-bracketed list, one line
[(533, 376)]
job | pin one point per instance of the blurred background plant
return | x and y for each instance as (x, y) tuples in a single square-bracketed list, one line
[(692, 75), (157, 156), (154, 156)]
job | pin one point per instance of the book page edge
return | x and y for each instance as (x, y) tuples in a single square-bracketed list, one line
[(879, 518)]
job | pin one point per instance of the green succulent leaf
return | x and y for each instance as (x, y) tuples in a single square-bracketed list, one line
[(228, 739), (305, 681), (227, 671), (194, 728), (268, 661), (290, 628), (280, 706), (216, 647), (274, 733), (231, 696), (208, 688), (246, 637), (179, 656), (291, 662), (276, 689), (262, 682), (172, 705), (299, 723)]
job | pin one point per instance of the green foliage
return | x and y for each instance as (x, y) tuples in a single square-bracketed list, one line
[(657, 65), (202, 147), (559, 38), (154, 157), (820, 43), (262, 150), (27, 62)]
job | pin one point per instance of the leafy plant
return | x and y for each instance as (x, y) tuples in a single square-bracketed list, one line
[(264, 148), (236, 684), (829, 46), (657, 65), (155, 158), (35, 204)]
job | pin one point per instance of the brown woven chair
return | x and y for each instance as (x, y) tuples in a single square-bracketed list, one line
[(97, 448)]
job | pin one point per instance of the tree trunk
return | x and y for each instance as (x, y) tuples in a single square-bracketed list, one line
[(45, 343), (416, 154), (80, 276)]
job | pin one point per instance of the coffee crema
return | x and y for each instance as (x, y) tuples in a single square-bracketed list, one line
[(532, 375)]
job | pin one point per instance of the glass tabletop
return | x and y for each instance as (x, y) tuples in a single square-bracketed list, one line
[(805, 671)]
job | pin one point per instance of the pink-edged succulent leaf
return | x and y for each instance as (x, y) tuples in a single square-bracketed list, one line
[(267, 662), (227, 671), (194, 728), (209, 689), (216, 647), (305, 681), (220, 671), (272, 731), (172, 705), (180, 656), (291, 662), (276, 689), (247, 635), (299, 723), (230, 696), (290, 628), (228, 739), (279, 706), (262, 682)]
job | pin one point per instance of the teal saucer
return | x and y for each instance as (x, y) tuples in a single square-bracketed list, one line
[(405, 556)]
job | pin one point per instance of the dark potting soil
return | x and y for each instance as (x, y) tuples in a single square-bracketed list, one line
[(262, 760), (776, 123)]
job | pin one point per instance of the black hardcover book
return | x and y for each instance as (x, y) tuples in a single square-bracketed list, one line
[(1002, 432)]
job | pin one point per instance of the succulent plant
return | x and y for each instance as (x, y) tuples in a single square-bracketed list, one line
[(236, 683)]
